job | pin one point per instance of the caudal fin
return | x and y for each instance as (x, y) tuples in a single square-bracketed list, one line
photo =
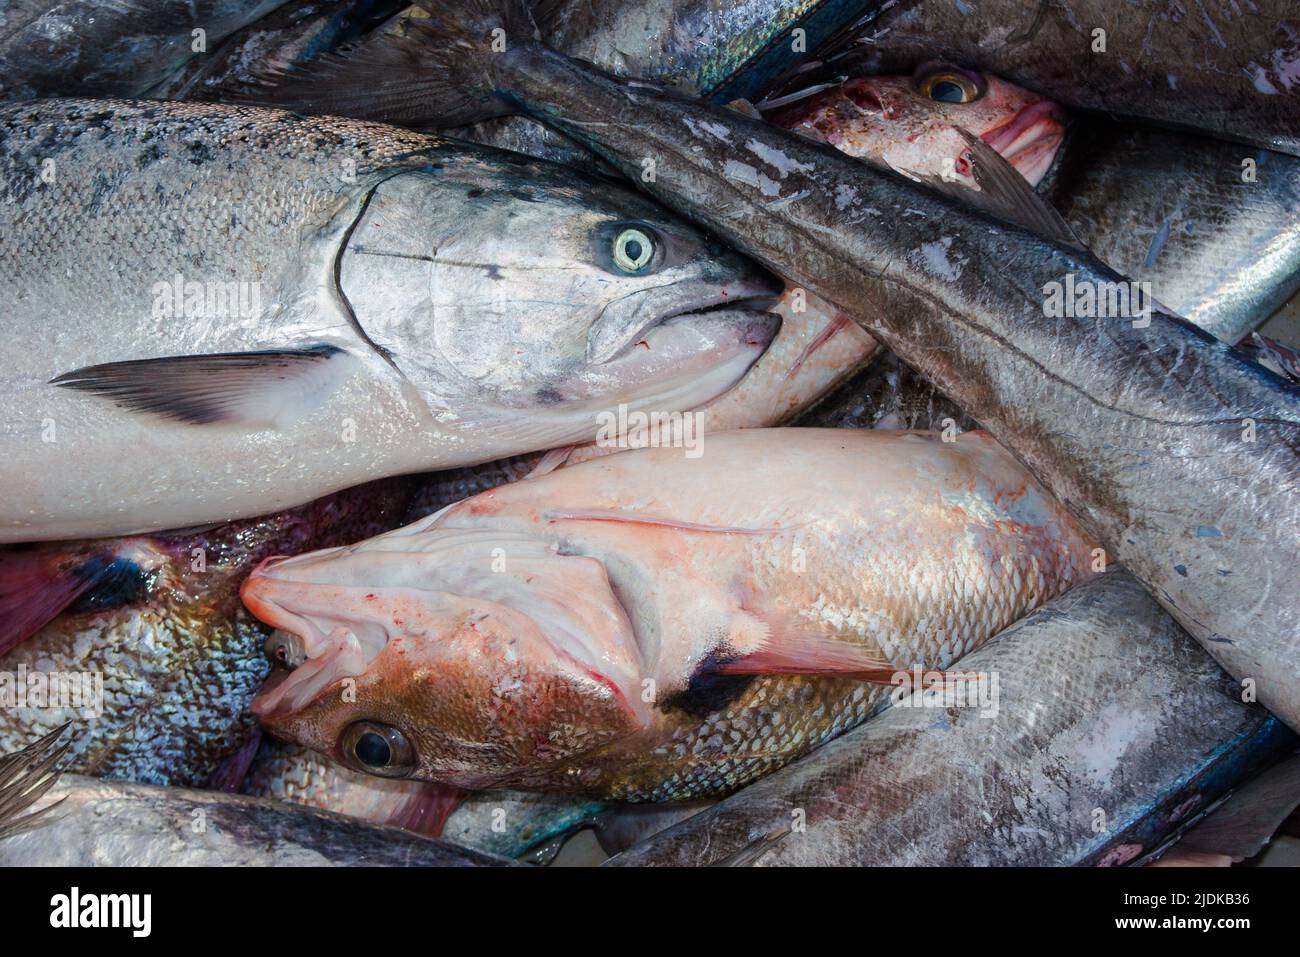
[(441, 70)]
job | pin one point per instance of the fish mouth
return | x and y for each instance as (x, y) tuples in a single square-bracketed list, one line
[(1027, 140), (613, 336), (314, 659), (563, 602)]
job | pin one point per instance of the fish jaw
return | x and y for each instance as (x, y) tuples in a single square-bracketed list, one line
[(886, 121), (490, 681)]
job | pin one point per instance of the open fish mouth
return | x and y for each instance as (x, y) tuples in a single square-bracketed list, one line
[(316, 658), (335, 611), (1028, 140), (754, 323)]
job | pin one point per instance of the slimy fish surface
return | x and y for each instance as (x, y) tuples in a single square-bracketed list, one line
[(647, 626), (267, 308), (1178, 454), (151, 634)]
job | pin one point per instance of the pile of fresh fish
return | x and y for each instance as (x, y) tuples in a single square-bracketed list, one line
[(842, 432)]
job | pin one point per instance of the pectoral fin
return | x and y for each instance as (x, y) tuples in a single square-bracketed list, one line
[(36, 586), (267, 388), (1002, 193), (773, 643)]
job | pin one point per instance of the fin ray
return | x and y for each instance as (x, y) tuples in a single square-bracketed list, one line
[(262, 388)]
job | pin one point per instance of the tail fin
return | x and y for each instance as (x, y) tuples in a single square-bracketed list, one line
[(440, 70)]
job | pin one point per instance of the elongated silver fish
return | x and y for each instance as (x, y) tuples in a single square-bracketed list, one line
[(1179, 454), (110, 47), (267, 308), (1110, 730), (112, 824)]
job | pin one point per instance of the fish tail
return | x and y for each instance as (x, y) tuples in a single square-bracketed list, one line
[(443, 70)]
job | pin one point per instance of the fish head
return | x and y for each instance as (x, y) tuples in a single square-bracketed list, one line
[(544, 296), (466, 657), (907, 123)]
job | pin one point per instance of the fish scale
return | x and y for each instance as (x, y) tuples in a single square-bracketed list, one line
[(909, 548), (298, 299), (180, 662)]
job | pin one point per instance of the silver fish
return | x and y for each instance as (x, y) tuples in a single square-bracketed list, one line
[(271, 308), (1111, 729), (109, 47), (102, 823), (1211, 225), (1179, 454)]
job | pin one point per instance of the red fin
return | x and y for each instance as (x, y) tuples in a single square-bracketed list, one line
[(631, 518), (229, 775), (841, 321), (35, 586), (786, 645), (426, 810), (812, 655)]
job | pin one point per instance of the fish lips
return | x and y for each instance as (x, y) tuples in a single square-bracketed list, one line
[(626, 321)]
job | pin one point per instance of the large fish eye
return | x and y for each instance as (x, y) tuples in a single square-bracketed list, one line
[(948, 86), (378, 749), (634, 249)]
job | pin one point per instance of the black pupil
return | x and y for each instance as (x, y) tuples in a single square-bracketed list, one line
[(373, 750), (632, 249), (946, 91)]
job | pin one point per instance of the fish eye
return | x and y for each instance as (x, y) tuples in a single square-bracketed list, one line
[(634, 249), (378, 749), (948, 86)]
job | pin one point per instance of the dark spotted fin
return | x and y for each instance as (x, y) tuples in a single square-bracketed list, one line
[(25, 777), (1003, 193), (253, 389)]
